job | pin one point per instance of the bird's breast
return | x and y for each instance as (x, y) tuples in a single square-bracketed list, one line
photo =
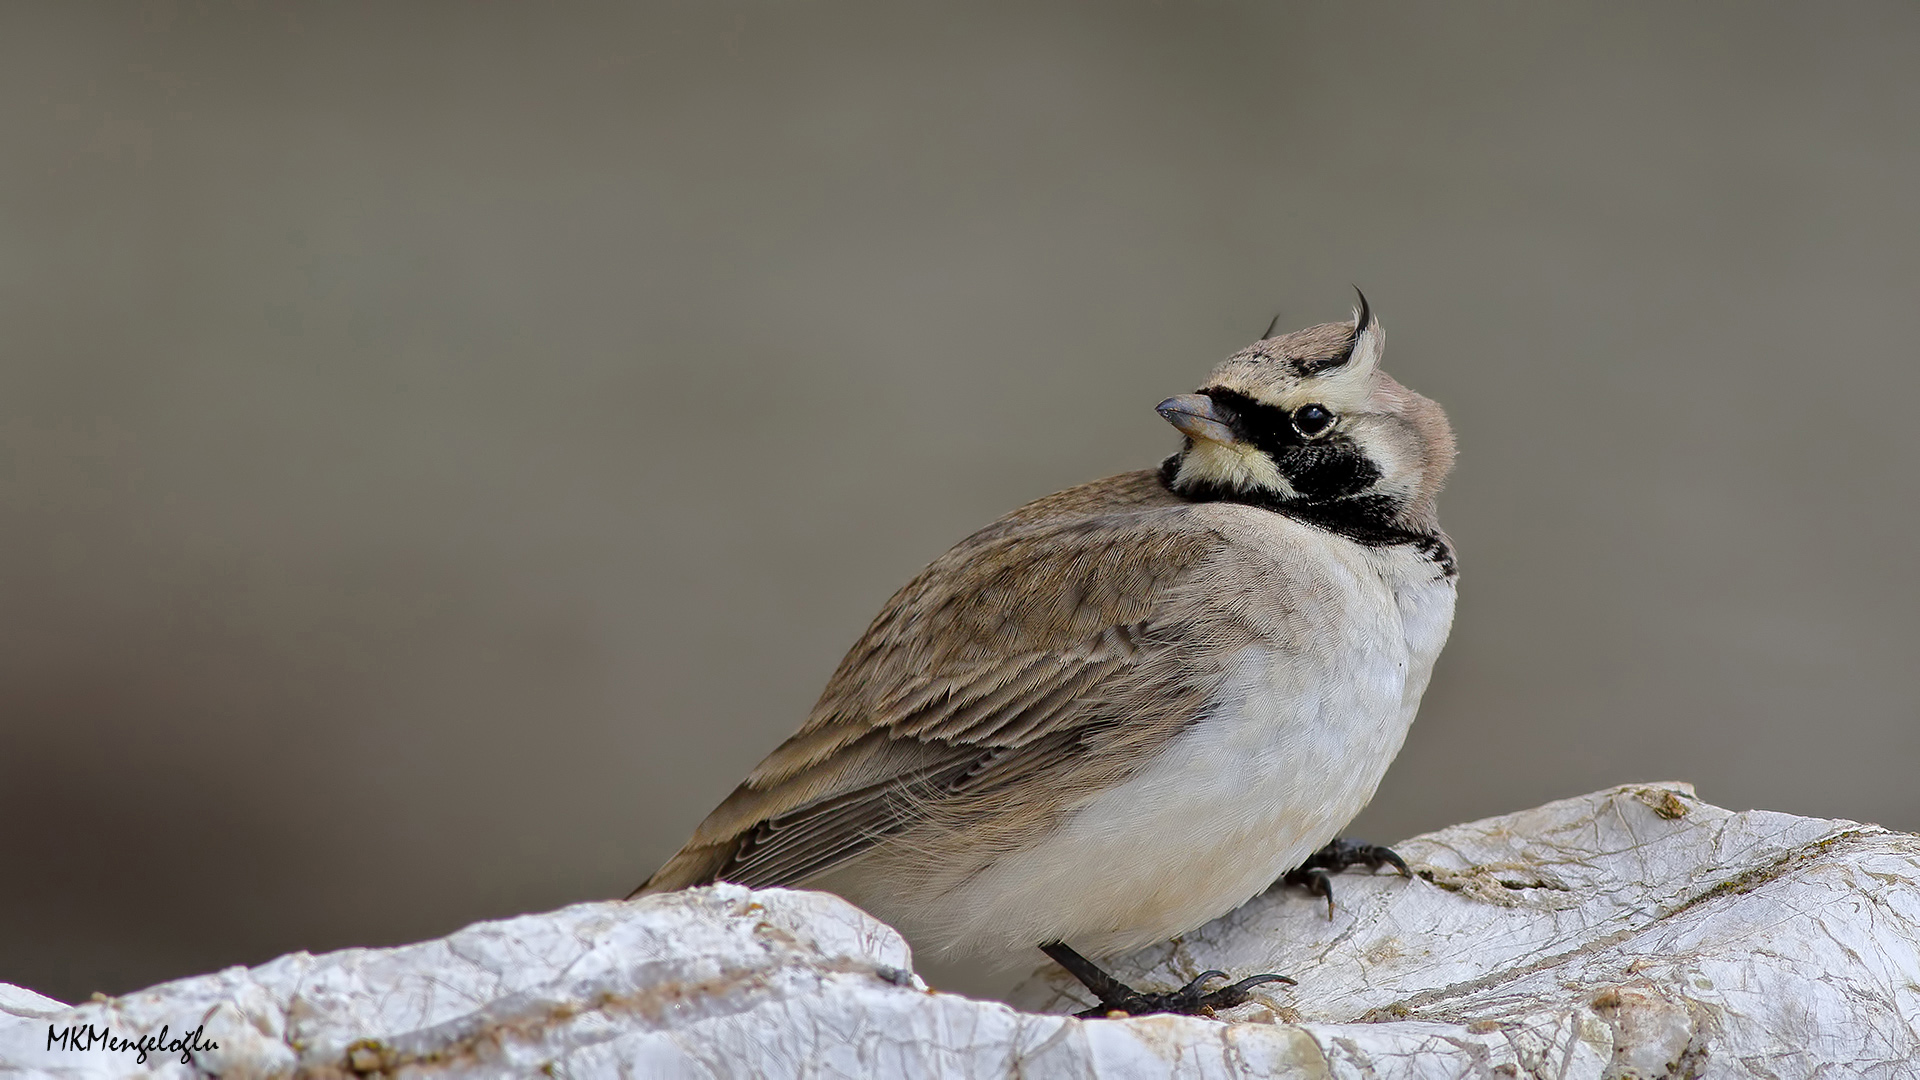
[(1302, 724)]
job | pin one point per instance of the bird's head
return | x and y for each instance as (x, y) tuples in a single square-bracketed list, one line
[(1308, 421)]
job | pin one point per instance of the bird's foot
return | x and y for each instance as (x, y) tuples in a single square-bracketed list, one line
[(1192, 999), (1316, 874)]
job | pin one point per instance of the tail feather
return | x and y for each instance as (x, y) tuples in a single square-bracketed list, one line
[(691, 866)]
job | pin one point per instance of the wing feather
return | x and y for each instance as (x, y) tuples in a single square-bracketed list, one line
[(1037, 640)]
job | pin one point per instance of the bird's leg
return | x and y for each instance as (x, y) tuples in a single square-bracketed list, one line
[(1116, 996), (1316, 874)]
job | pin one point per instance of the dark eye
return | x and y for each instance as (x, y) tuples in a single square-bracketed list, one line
[(1312, 421)]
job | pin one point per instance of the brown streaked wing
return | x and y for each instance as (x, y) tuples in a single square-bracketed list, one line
[(1010, 647)]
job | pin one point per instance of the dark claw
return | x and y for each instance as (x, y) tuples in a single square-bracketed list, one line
[(1316, 874), (1317, 880), (1201, 980), (1341, 854), (1236, 994), (1189, 1000)]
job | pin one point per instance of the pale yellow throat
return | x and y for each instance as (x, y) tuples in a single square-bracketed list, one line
[(1233, 465)]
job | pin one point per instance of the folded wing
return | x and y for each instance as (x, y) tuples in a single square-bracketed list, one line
[(1033, 660)]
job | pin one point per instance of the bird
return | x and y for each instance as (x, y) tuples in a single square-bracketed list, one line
[(1124, 709)]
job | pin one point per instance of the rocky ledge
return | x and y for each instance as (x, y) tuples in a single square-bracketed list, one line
[(1635, 932)]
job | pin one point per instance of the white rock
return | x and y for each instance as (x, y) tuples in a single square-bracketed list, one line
[(1634, 933)]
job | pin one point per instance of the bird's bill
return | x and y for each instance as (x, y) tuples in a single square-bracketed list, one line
[(1198, 416)]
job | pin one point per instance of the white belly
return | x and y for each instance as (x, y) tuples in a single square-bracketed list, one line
[(1293, 746)]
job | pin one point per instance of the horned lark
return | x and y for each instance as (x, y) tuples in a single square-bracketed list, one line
[(1124, 709)]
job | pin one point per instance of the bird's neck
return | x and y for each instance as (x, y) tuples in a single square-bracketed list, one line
[(1370, 519)]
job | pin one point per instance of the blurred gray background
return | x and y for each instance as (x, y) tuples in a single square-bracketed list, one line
[(443, 446)]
